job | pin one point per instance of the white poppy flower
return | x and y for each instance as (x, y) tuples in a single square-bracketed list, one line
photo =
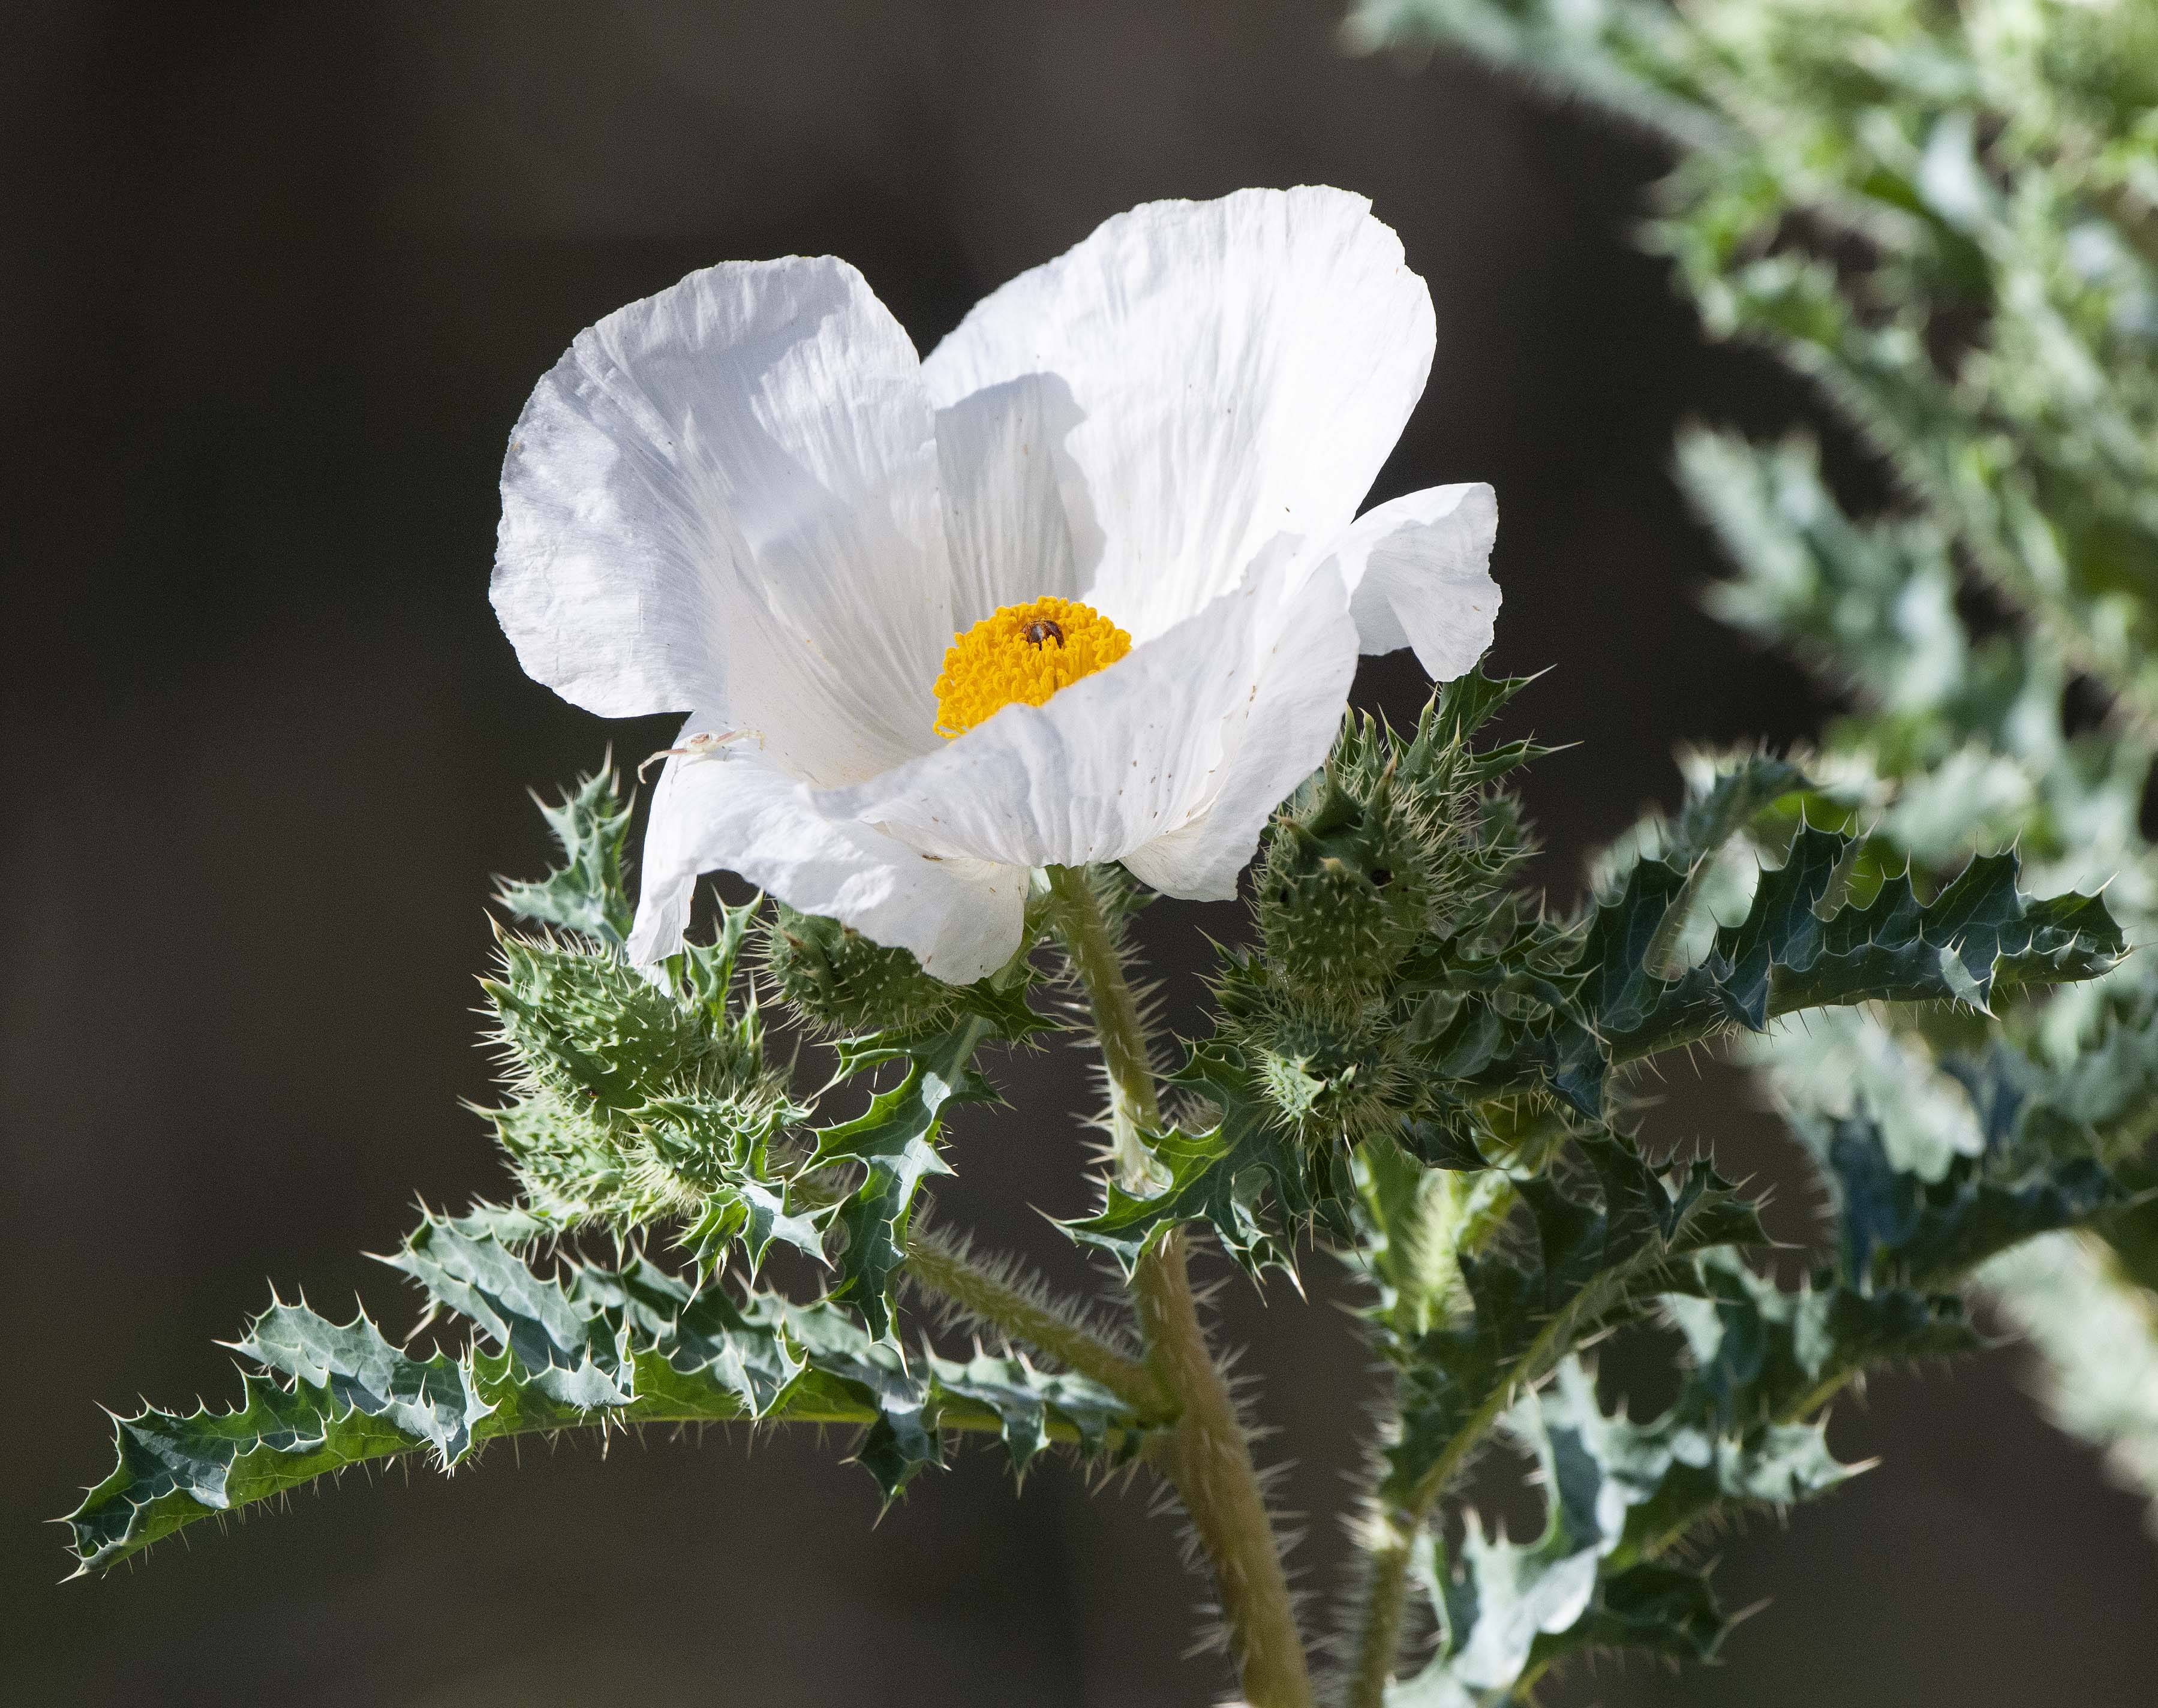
[(1122, 497)]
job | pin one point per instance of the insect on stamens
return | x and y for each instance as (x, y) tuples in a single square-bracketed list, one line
[(706, 743), (1040, 632)]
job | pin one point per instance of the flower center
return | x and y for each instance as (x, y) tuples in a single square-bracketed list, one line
[(1022, 654)]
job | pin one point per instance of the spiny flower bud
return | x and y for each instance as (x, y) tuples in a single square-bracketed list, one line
[(1335, 1069), (1346, 888), (571, 1167), (839, 981), (587, 1026), (630, 1103)]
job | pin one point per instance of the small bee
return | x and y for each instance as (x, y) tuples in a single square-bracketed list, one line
[(1042, 631), (706, 743)]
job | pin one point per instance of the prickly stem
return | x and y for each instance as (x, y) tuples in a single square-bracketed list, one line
[(1208, 1458)]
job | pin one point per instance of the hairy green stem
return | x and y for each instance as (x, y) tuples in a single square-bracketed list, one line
[(1207, 1458), (986, 1291), (1096, 953), (1385, 1601)]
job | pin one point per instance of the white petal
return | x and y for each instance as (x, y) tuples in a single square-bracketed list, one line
[(724, 499), (741, 815), (1003, 519), (1242, 367), (1418, 569), (1207, 719), (1279, 735)]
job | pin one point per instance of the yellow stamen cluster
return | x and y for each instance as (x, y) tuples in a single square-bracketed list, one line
[(1022, 654)]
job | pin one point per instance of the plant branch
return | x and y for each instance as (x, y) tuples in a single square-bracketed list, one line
[(1021, 1308), (1397, 1523), (1384, 1602), (1208, 1457), (1448, 1228)]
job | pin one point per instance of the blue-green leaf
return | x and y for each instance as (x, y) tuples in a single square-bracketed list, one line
[(586, 893), (589, 1346), (1247, 1177)]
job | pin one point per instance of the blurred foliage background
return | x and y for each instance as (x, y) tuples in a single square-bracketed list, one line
[(276, 287)]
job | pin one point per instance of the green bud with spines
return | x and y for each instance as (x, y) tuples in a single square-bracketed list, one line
[(572, 1167), (837, 981), (1347, 886), (1332, 1069), (587, 1026), (1394, 841), (632, 1101)]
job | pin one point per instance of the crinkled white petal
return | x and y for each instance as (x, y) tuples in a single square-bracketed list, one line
[(1270, 741), (1222, 714), (1418, 570), (724, 499), (1240, 369), (742, 814), (1005, 524)]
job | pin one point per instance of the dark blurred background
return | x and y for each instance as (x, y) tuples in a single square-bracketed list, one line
[(274, 283)]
